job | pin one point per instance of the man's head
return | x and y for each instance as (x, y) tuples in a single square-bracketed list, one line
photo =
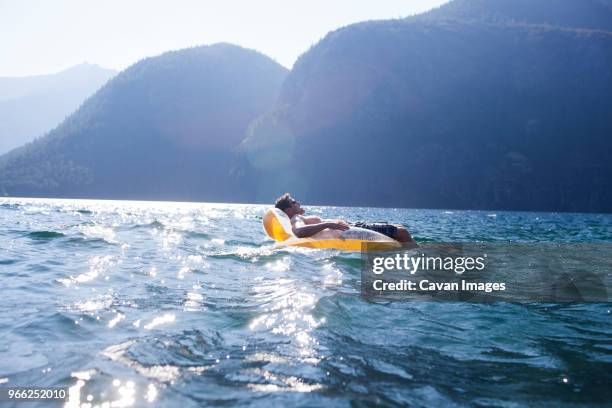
[(289, 205)]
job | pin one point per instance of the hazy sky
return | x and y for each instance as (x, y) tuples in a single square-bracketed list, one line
[(45, 36)]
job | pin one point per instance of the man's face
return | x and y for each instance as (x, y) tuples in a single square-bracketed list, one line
[(296, 208)]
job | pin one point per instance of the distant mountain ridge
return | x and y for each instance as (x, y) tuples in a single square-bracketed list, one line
[(31, 106), (475, 105), (577, 14), (445, 110), (162, 129)]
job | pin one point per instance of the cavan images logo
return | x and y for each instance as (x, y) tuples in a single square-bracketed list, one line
[(489, 272)]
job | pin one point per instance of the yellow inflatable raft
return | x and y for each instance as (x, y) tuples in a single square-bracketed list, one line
[(278, 227)]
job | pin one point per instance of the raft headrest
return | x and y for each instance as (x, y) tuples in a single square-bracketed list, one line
[(277, 225)]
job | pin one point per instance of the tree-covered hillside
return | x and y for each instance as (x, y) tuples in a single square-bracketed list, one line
[(585, 14), (163, 129), (480, 104), (451, 109)]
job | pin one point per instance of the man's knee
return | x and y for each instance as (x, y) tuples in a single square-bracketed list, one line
[(402, 234)]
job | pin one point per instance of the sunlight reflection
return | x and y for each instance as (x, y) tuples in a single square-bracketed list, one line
[(246, 252), (74, 395), (164, 373), (289, 383), (181, 273), (268, 358), (167, 318), (168, 236), (333, 276), (115, 320), (289, 314), (193, 302), (218, 241), (151, 393), (126, 395), (97, 266), (99, 231), (280, 265), (94, 305)]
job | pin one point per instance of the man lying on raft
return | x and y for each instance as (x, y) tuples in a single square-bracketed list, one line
[(306, 226)]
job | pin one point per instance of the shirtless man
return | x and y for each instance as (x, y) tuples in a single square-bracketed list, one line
[(306, 226)]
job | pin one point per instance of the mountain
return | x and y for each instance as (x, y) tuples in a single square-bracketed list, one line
[(31, 106), (479, 104), (162, 129), (503, 104), (577, 14)]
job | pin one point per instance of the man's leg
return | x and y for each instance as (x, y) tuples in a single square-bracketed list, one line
[(397, 232)]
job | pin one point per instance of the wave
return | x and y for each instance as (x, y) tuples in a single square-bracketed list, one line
[(91, 242), (10, 206), (196, 234), (45, 235), (155, 224)]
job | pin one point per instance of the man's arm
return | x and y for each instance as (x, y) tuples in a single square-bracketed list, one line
[(304, 231)]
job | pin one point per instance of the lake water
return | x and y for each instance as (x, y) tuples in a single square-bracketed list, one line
[(189, 304)]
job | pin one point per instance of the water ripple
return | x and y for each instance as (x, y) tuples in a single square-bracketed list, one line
[(188, 304)]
